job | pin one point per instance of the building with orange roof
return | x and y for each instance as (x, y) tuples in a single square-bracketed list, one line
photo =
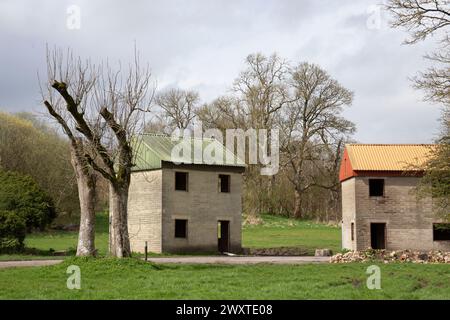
[(380, 208)]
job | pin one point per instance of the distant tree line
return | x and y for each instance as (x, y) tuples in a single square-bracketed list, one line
[(305, 103), (31, 147)]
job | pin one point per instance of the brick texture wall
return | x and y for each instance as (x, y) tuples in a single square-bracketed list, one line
[(154, 204), (348, 213), (409, 220), (203, 206), (145, 211)]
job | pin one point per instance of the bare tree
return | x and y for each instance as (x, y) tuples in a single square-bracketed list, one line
[(269, 93), (421, 18), (424, 19), (309, 121), (261, 90), (86, 178), (178, 107), (106, 117), (223, 113)]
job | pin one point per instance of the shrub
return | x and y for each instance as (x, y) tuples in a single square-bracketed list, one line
[(22, 195), (30, 146), (12, 231)]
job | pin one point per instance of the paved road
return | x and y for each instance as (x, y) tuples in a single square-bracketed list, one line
[(28, 263), (240, 260)]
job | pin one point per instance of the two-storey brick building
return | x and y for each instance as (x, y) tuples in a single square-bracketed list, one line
[(380, 207), (184, 203)]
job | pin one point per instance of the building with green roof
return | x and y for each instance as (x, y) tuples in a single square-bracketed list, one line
[(185, 196)]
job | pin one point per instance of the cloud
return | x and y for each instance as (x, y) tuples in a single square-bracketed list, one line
[(202, 44)]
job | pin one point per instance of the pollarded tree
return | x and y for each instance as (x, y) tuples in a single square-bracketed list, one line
[(104, 109), (73, 72)]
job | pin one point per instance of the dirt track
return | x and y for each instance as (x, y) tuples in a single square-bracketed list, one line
[(240, 260), (28, 263)]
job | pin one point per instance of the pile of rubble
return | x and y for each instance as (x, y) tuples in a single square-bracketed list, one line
[(280, 251), (392, 256), (252, 220)]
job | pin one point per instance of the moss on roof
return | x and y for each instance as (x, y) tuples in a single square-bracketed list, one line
[(150, 150)]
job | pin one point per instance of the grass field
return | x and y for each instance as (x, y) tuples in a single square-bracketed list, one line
[(107, 278), (133, 279), (273, 232), (282, 232)]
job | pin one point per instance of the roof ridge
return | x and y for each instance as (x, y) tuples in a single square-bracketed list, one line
[(154, 134), (162, 135), (386, 157)]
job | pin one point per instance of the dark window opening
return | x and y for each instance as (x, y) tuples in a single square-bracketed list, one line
[(378, 235), (223, 229), (181, 181), (352, 227), (376, 187), (441, 231), (224, 183), (180, 228)]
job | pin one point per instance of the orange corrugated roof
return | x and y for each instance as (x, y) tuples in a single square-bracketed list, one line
[(388, 157)]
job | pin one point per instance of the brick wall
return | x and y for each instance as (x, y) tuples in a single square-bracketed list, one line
[(145, 211), (203, 206), (348, 213), (408, 219)]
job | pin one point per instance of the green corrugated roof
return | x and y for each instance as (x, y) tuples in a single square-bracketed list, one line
[(151, 149)]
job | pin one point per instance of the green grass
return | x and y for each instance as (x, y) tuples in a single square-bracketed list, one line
[(107, 278), (283, 232), (274, 232), (133, 279), (67, 240), (23, 257)]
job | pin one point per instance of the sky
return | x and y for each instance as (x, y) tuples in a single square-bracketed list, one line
[(202, 44)]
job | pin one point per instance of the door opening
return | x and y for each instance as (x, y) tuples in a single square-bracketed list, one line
[(223, 234), (378, 235)]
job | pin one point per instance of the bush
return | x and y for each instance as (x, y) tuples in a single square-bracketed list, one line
[(30, 146), (12, 231), (21, 195)]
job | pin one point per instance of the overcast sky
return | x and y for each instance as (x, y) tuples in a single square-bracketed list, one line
[(202, 44)]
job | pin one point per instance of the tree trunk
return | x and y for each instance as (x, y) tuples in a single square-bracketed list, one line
[(270, 195), (297, 204), (119, 243), (86, 182)]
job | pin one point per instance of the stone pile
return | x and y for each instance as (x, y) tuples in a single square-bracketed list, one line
[(371, 255), (280, 251)]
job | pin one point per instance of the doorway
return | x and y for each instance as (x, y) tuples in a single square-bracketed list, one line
[(378, 235), (223, 234)]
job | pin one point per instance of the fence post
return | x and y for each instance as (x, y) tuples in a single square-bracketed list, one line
[(146, 251)]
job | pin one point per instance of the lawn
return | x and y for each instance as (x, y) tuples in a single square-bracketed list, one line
[(273, 232), (282, 232), (134, 279), (49, 241), (67, 240), (104, 278)]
